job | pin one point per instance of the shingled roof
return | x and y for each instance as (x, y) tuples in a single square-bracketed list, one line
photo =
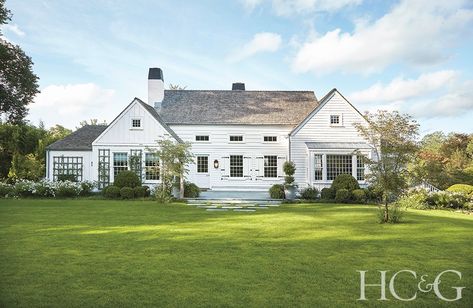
[(236, 107), (80, 140)]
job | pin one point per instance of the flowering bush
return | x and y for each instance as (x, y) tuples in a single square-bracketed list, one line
[(437, 200), (45, 188)]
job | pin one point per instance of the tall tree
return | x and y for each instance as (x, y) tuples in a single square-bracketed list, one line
[(18, 83), (393, 138), (176, 87)]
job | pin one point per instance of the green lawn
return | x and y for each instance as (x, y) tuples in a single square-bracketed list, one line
[(74, 253)]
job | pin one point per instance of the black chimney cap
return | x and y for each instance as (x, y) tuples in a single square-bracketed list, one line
[(238, 86), (155, 73)]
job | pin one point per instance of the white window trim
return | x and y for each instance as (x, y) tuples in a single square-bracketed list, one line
[(324, 165), (208, 164), (136, 128), (340, 118), (271, 142), (238, 142), (201, 141)]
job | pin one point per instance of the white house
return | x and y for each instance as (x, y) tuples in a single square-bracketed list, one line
[(240, 138)]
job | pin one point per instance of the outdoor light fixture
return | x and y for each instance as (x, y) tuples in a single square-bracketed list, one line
[(216, 164)]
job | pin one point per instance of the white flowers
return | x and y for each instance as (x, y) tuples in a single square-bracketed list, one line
[(45, 188)]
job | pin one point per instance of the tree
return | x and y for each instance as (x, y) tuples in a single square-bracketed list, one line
[(393, 139), (18, 83), (174, 158), (91, 122), (176, 87)]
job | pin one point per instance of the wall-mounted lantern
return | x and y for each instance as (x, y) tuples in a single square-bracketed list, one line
[(216, 164)]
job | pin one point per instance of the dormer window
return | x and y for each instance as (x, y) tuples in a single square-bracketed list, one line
[(335, 120), (135, 123)]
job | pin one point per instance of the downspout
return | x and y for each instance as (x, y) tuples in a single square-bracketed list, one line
[(289, 137), (47, 164)]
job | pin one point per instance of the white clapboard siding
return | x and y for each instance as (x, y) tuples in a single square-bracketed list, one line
[(87, 163), (318, 129)]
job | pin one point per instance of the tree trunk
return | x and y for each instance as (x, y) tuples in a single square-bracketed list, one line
[(181, 186), (386, 212)]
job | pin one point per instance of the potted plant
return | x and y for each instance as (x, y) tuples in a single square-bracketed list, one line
[(290, 188)]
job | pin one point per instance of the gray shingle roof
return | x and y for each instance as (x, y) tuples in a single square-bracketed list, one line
[(236, 107), (80, 140)]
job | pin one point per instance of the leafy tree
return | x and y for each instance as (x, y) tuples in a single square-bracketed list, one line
[(174, 158), (91, 122), (18, 83), (25, 167), (393, 139)]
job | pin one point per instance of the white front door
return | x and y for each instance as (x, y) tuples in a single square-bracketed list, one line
[(202, 172)]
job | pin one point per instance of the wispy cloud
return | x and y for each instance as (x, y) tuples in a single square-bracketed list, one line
[(437, 94), (13, 28), (293, 7), (261, 42), (413, 32)]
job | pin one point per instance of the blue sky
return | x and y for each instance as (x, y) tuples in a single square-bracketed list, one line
[(92, 57)]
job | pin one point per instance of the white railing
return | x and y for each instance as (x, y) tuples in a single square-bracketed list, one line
[(428, 187)]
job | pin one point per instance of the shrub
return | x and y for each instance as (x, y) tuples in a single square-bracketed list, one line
[(276, 191), (67, 189), (86, 188), (191, 190), (5, 190), (343, 196), (127, 193), (462, 188), (127, 179), (309, 193), (345, 181), (414, 200), (327, 193), (374, 193), (448, 200), (147, 190), (140, 191), (45, 188), (289, 168), (163, 195), (23, 188), (359, 195), (112, 192), (67, 177), (396, 214)]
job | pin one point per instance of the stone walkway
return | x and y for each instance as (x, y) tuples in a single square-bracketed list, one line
[(241, 206)]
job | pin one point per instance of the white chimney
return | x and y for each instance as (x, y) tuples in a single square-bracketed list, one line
[(155, 88)]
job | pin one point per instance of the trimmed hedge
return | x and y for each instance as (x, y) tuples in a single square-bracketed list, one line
[(277, 191), (462, 188), (140, 191), (127, 193), (191, 190), (127, 178), (112, 192), (309, 193), (359, 195), (327, 193), (343, 196), (345, 181)]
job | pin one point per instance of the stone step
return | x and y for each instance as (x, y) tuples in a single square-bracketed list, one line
[(244, 210), (216, 210)]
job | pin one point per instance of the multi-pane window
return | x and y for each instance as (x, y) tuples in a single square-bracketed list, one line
[(202, 138), (270, 138), (202, 164), (67, 168), (318, 167), (136, 162), (120, 162), (236, 138), (104, 168), (151, 166), (236, 166), (271, 166), (338, 164), (334, 119), (136, 123), (360, 168)]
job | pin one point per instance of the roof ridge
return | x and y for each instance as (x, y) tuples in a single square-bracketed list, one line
[(239, 91)]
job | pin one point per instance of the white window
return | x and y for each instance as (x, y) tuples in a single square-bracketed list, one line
[(338, 164), (335, 120), (151, 166), (271, 166), (270, 139), (318, 167), (202, 138), (120, 162), (236, 138), (236, 166), (360, 168), (202, 164), (135, 123)]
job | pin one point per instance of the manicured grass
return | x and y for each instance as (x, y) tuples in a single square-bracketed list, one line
[(83, 253)]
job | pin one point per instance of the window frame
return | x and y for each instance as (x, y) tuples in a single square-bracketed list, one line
[(344, 160), (360, 168), (236, 168), (198, 164), (340, 119), (318, 171), (133, 119), (268, 169), (119, 167), (74, 165), (236, 141), (200, 141), (150, 174), (266, 139)]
